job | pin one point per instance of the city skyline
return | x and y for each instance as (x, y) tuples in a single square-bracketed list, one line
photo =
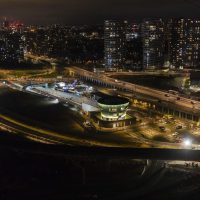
[(100, 99), (92, 12)]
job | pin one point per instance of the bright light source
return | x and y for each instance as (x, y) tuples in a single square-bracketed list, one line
[(61, 84), (187, 142)]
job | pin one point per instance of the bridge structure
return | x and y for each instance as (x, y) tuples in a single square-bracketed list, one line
[(148, 73), (157, 100)]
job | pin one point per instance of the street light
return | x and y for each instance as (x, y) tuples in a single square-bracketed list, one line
[(187, 142)]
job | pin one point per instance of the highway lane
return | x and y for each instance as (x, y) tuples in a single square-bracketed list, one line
[(158, 94), (45, 136), (30, 134), (144, 73), (56, 138), (191, 105), (138, 140), (40, 135)]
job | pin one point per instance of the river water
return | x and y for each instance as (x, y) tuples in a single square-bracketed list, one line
[(158, 82), (45, 113), (39, 110)]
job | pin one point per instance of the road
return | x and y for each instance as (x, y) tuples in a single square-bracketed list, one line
[(128, 134), (47, 136), (145, 73), (186, 103), (42, 135)]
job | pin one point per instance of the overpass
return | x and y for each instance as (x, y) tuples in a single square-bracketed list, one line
[(165, 102), (147, 73)]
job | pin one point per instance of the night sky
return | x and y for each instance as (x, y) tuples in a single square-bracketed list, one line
[(94, 11)]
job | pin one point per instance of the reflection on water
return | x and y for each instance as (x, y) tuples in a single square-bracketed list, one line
[(48, 101), (46, 111)]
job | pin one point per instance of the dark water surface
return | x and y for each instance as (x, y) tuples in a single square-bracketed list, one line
[(158, 82), (40, 110), (44, 113)]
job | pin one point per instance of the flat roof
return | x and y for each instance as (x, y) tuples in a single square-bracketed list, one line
[(113, 101)]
